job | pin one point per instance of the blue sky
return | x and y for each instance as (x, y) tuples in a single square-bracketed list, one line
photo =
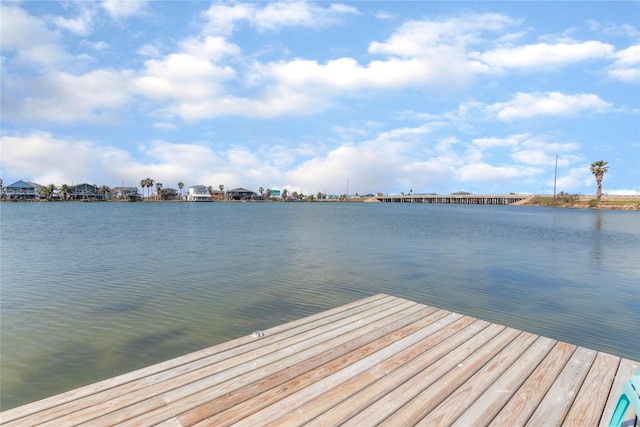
[(381, 96)]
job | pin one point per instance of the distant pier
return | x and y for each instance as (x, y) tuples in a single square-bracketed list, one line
[(456, 199)]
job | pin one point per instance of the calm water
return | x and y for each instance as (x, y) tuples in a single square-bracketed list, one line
[(91, 290)]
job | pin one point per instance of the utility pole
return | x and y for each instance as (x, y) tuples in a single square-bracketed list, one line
[(555, 178)]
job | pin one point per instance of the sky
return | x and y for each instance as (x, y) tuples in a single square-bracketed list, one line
[(333, 97)]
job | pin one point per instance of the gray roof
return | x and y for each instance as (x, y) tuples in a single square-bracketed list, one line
[(20, 184)]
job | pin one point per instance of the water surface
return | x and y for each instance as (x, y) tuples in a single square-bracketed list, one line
[(91, 290)]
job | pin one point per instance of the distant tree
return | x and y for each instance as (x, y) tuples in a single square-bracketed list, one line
[(599, 168), (45, 192), (104, 190), (268, 193), (65, 190), (143, 184), (295, 195), (319, 195), (180, 186), (148, 182), (158, 187), (221, 187), (260, 190), (284, 194)]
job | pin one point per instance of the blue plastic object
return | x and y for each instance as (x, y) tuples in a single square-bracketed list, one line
[(630, 395)]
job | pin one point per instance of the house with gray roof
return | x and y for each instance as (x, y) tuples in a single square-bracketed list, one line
[(22, 190), (240, 194)]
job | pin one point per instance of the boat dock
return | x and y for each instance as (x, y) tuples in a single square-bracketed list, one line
[(381, 360)]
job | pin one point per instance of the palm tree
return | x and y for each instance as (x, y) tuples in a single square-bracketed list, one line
[(158, 187), (65, 190), (261, 190), (52, 189), (143, 183), (45, 191), (599, 168), (180, 186), (221, 187), (284, 194), (268, 193), (148, 182)]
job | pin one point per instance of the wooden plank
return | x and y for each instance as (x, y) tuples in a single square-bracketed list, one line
[(484, 365), (626, 369), (487, 405), (592, 397), (270, 397), (110, 383), (330, 396), (519, 409), (556, 403), (396, 394), (261, 393), (463, 395), (356, 394)]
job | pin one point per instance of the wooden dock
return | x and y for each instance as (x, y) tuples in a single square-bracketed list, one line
[(378, 361)]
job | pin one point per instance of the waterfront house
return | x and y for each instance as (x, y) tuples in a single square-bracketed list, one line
[(240, 194), (85, 192), (21, 190), (126, 193), (217, 195), (198, 193), (167, 194)]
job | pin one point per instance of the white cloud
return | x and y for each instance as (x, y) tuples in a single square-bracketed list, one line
[(118, 9), (543, 55), (429, 38), (627, 65), (526, 105), (30, 39), (63, 97), (81, 25), (221, 18), (190, 80), (482, 173), (492, 142), (72, 160)]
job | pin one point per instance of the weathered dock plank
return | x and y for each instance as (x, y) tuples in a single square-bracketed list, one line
[(378, 361)]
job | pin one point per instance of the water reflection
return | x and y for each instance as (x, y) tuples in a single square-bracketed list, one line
[(596, 252)]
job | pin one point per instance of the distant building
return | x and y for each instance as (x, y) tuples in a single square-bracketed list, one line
[(85, 192), (167, 194), (241, 194), (21, 190), (217, 195), (198, 193), (126, 193)]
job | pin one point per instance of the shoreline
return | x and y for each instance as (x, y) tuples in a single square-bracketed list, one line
[(617, 202)]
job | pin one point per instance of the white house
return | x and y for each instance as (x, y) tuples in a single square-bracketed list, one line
[(22, 190), (198, 193)]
